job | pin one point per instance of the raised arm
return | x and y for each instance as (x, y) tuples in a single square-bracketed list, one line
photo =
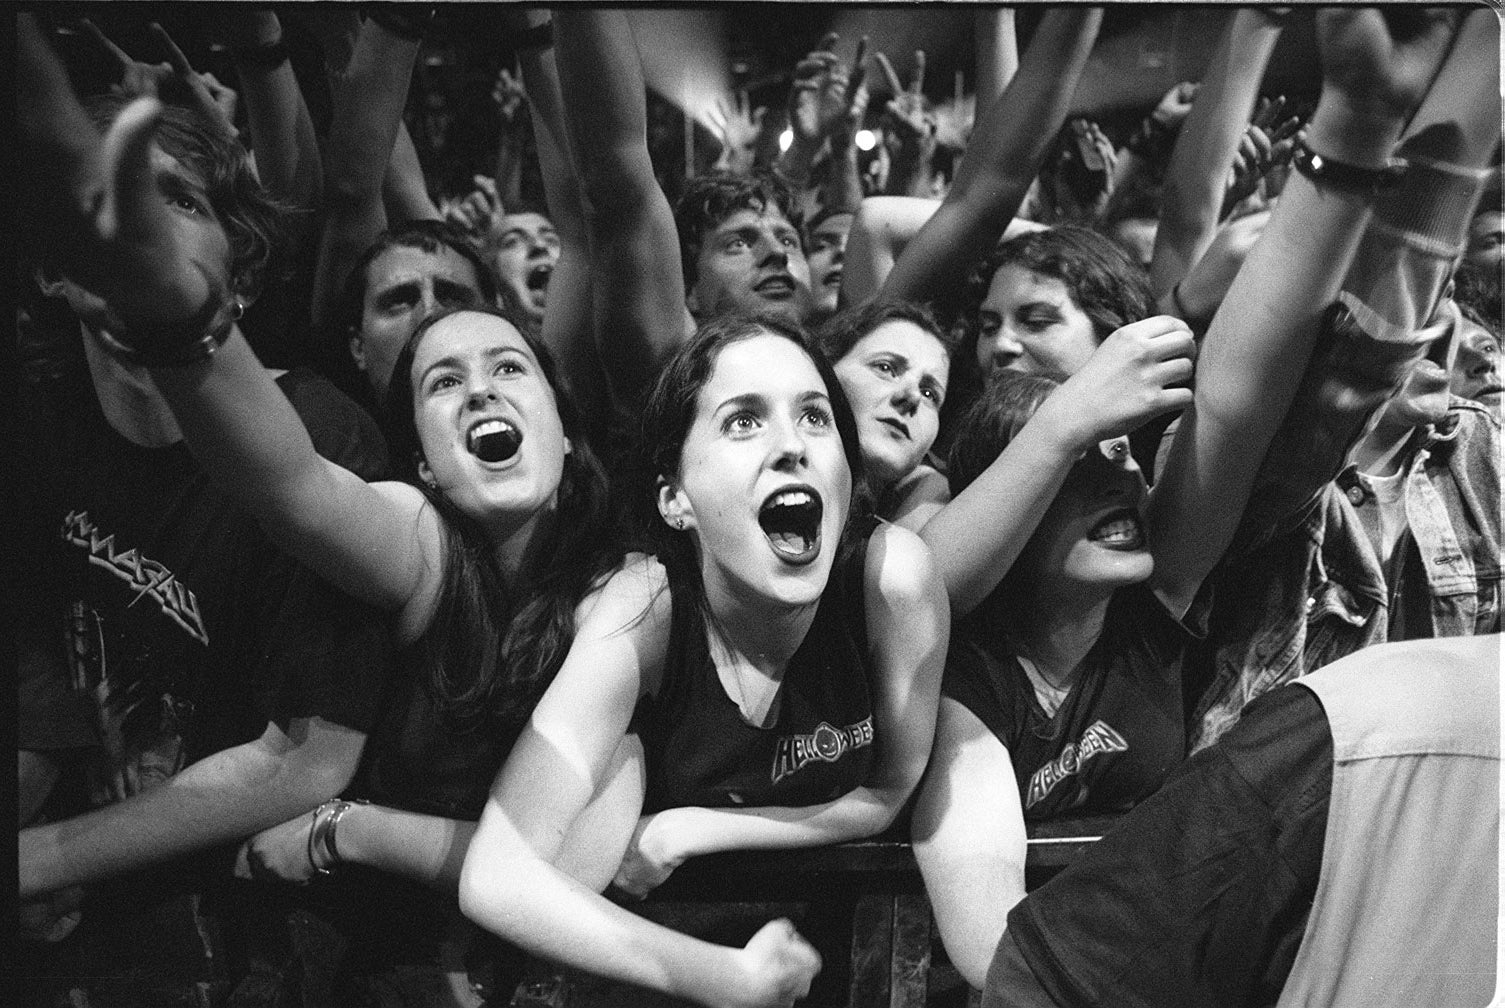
[(1376, 68), (367, 104), (1139, 372), (510, 883), (1197, 176), (638, 297), (1006, 151), (567, 321), (908, 626), (881, 231), (133, 239), (282, 131), (969, 839)]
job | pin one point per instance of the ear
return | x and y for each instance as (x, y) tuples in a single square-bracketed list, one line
[(569, 446), (674, 507), (358, 351), (692, 300), (426, 474)]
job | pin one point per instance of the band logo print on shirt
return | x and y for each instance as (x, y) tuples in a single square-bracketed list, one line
[(149, 577), (1097, 739), (825, 744)]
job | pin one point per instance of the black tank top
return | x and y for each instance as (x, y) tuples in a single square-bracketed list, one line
[(700, 750)]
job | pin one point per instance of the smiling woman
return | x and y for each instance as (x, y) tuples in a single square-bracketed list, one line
[(779, 656)]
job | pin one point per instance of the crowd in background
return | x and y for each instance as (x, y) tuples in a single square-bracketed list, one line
[(458, 485)]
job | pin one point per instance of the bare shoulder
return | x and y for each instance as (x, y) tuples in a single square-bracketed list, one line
[(918, 497), (900, 568), (635, 594)]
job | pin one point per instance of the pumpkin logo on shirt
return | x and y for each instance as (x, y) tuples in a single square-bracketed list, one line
[(825, 745), (1099, 738)]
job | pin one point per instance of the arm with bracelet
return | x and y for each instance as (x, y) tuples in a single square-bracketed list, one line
[(282, 130)]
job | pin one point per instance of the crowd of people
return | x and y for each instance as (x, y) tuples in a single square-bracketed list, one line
[(418, 578)]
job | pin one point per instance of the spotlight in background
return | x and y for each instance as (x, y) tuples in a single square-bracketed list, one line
[(865, 140)]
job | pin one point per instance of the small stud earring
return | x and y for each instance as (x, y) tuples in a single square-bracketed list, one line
[(679, 523), (238, 310)]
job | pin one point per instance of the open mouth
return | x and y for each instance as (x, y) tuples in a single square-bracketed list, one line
[(493, 440), (537, 279), (897, 425), (776, 286), (1119, 529), (791, 520)]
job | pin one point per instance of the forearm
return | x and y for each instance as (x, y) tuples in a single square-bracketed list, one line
[(638, 301), (1197, 175), (567, 322), (404, 191), (976, 537), (246, 435), (424, 848), (530, 903), (910, 173), (997, 54), (844, 189), (860, 813), (1255, 353), (367, 102), (1006, 152), (282, 131), (221, 798)]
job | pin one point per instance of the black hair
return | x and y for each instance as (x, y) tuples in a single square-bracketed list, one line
[(491, 650), (427, 236), (842, 331), (708, 200), (669, 412)]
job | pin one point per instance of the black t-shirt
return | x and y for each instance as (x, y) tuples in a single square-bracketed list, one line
[(1118, 732), (701, 752), (166, 605)]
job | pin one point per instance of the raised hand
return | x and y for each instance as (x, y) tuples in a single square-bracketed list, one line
[(906, 114), (510, 96), (1140, 371), (779, 966), (1377, 64), (1267, 145), (478, 210), (173, 81), (737, 127), (824, 91)]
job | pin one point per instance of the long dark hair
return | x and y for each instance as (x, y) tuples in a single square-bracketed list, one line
[(669, 413), (1007, 402), (490, 652)]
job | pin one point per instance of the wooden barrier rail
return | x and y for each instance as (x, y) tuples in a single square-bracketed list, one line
[(866, 908)]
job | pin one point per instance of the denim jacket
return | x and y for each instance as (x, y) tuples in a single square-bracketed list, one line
[(1304, 584)]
